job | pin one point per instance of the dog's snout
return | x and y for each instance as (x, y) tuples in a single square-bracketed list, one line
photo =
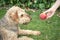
[(29, 17)]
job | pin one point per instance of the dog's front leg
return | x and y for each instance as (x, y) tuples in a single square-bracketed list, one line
[(28, 32)]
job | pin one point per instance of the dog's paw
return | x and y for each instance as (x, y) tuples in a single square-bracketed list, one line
[(36, 32)]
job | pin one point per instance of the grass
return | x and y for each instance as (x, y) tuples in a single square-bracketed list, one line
[(50, 29)]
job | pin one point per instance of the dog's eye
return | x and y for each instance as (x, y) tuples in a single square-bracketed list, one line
[(22, 15)]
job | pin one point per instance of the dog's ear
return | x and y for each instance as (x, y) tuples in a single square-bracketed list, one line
[(14, 16)]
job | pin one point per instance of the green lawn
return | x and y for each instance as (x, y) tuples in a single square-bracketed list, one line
[(50, 29)]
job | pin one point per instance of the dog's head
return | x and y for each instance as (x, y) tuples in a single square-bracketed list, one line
[(18, 15)]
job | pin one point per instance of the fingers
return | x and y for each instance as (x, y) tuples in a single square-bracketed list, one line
[(50, 14)]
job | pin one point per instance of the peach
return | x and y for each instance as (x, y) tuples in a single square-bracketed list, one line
[(43, 16)]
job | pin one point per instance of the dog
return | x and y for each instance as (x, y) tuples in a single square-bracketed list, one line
[(9, 29), (51, 11)]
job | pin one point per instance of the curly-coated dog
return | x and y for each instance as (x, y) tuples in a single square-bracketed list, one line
[(9, 29)]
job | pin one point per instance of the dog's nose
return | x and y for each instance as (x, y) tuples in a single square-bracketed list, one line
[(30, 18)]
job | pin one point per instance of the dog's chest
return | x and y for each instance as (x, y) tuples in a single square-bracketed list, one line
[(12, 27)]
